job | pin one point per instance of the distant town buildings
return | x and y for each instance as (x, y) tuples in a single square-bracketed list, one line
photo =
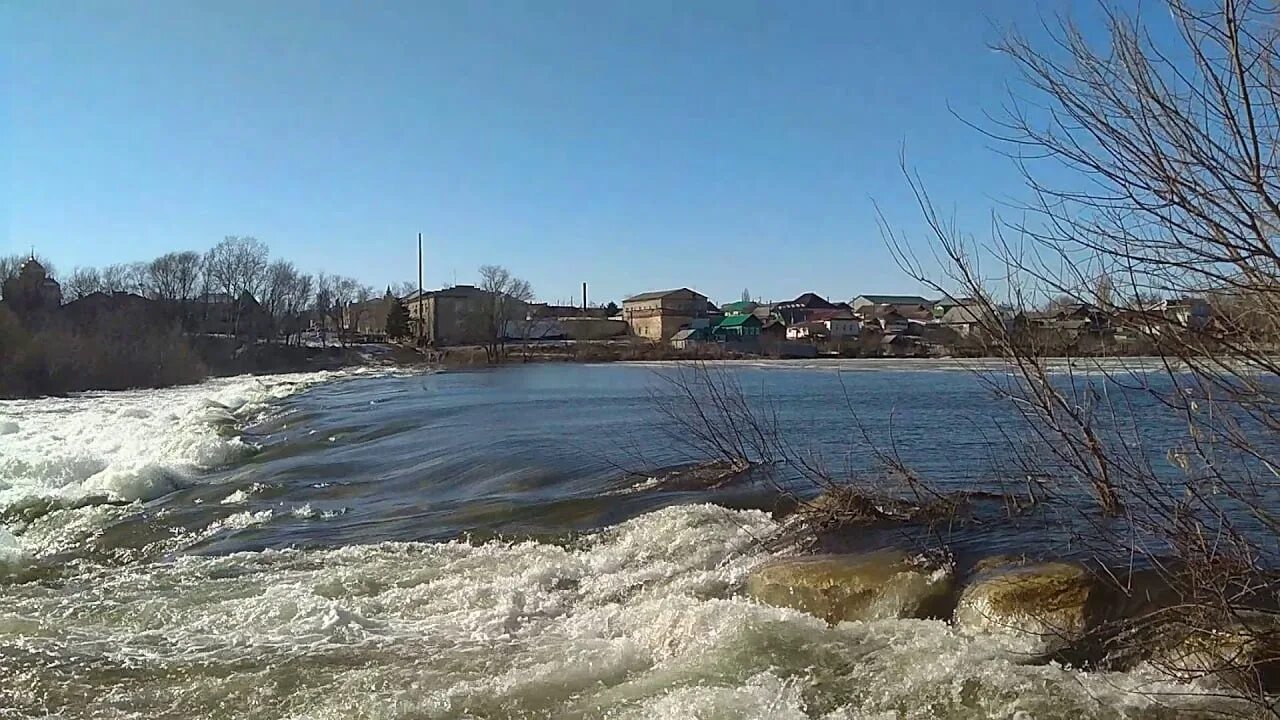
[(905, 305), (808, 325), (658, 316), (460, 315)]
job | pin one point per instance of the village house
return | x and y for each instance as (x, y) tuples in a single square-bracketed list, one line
[(738, 326), (460, 315), (1185, 312), (658, 316), (887, 319), (368, 317), (742, 307), (764, 311), (908, 306), (802, 309), (842, 325), (970, 318), (812, 331), (772, 328), (688, 338)]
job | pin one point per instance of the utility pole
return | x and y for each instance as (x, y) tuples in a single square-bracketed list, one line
[(421, 315), (584, 299)]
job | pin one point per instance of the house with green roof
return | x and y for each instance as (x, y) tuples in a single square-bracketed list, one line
[(739, 326)]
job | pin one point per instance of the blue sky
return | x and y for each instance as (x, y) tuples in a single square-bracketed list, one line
[(635, 146)]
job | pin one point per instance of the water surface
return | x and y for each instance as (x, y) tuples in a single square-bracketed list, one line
[(479, 544)]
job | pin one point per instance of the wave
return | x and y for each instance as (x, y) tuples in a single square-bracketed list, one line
[(124, 447), (642, 620)]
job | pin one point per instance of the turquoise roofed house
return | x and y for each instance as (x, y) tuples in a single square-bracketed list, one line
[(739, 325)]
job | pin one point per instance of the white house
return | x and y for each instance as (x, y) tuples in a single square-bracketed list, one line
[(843, 327), (812, 330)]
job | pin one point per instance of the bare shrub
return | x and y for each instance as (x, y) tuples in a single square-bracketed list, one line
[(1172, 199)]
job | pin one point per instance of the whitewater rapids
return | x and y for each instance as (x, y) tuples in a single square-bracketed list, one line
[(642, 619)]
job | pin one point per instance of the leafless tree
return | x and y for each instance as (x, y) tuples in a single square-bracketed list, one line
[(137, 278), (279, 283), (81, 282), (506, 300), (115, 278), (322, 303), (175, 276), (1172, 191), (237, 265), (296, 301)]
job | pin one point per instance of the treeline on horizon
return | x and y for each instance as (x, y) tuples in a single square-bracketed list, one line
[(158, 343), (234, 266)]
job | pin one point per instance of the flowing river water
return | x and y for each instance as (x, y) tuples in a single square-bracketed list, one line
[(474, 545)]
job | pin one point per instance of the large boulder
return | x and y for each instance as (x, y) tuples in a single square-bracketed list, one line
[(872, 586), (1040, 608)]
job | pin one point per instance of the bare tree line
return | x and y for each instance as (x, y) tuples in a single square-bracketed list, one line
[(236, 267)]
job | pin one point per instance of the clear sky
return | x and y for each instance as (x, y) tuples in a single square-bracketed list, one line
[(632, 145)]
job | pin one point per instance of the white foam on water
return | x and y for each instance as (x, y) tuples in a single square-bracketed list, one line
[(236, 498), (126, 446), (12, 555), (643, 620), (132, 445)]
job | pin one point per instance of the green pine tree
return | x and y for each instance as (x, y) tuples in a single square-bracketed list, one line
[(397, 320)]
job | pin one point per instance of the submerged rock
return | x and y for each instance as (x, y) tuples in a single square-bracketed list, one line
[(996, 562), (1043, 607), (707, 475), (879, 585), (1243, 653)]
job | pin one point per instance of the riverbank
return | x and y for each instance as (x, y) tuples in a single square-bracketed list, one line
[(69, 363)]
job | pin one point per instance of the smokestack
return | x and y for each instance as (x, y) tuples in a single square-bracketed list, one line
[(421, 316), (584, 298)]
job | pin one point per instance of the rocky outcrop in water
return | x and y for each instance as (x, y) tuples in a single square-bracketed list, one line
[(1043, 608), (875, 586)]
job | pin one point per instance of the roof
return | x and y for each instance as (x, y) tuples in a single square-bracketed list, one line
[(742, 306), (894, 299), (969, 312), (832, 314), (31, 264), (738, 320), (808, 300), (687, 334), (455, 291), (813, 325), (657, 295)]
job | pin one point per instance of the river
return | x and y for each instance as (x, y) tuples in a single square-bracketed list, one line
[(476, 545)]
